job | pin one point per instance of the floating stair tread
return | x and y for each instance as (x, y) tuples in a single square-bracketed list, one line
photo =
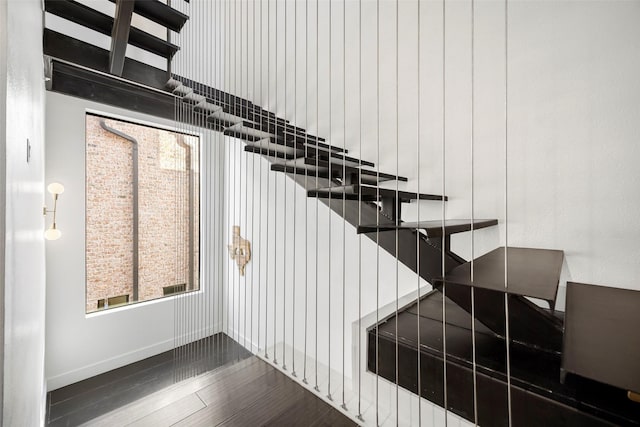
[(97, 21), (601, 339), (530, 272), (337, 166), (326, 154), (370, 193), (304, 161), (296, 149), (336, 169), (269, 152), (252, 129), (300, 170), (433, 228), (160, 13), (282, 129)]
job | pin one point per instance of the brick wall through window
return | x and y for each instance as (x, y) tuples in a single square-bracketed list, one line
[(168, 210)]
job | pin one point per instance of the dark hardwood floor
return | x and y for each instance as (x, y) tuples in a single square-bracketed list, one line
[(212, 382)]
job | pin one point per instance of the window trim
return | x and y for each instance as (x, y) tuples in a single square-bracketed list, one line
[(156, 125)]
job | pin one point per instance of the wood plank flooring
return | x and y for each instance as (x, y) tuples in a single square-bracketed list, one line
[(77, 403), (237, 389)]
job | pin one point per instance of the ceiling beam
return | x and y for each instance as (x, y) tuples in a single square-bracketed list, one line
[(120, 35)]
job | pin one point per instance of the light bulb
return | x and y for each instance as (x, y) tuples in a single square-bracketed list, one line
[(52, 234), (55, 188)]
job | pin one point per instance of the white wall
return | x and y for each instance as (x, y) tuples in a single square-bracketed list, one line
[(22, 96), (80, 345), (574, 134)]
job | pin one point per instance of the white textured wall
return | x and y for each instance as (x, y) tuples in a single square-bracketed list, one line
[(22, 192), (79, 345)]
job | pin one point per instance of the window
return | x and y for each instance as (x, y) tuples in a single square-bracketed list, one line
[(114, 301), (175, 289), (142, 213)]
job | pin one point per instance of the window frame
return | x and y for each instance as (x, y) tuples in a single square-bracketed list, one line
[(155, 125)]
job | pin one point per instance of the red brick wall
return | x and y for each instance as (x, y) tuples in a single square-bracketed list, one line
[(163, 211)]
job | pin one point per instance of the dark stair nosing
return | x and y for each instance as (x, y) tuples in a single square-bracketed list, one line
[(301, 170), (269, 152), (341, 157), (277, 128), (433, 228), (97, 21), (160, 13), (371, 193), (298, 150), (336, 164), (252, 129), (303, 165)]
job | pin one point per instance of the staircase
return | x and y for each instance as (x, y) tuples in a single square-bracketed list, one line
[(350, 187), (504, 277)]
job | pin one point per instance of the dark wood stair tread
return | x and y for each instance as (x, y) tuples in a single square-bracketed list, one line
[(433, 228), (253, 131), (369, 193), (300, 170), (336, 169), (270, 152), (97, 21), (530, 272), (160, 13), (601, 338), (297, 150)]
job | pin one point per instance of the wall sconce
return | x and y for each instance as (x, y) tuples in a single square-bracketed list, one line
[(53, 233)]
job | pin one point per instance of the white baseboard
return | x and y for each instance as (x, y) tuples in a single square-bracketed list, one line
[(124, 359)]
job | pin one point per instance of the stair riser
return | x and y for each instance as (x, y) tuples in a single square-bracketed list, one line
[(528, 409)]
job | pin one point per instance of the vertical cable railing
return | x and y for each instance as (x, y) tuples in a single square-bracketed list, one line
[(272, 310), (443, 212), (506, 209)]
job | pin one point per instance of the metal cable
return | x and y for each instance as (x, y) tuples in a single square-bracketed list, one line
[(344, 170), (397, 207), (329, 210), (506, 204), (359, 414), (306, 186), (419, 370), (473, 252), (266, 305), (444, 239)]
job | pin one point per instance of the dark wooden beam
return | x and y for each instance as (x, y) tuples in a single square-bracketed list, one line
[(120, 35)]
